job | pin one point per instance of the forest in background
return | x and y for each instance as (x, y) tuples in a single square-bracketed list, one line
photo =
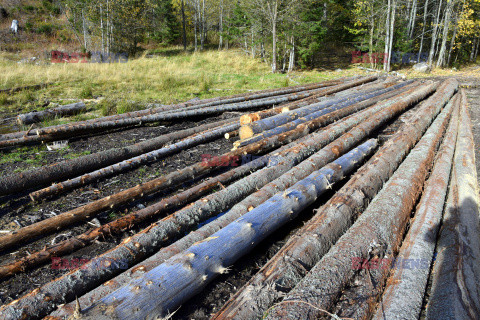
[(285, 34)]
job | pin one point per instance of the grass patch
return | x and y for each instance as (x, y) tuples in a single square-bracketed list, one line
[(170, 76)]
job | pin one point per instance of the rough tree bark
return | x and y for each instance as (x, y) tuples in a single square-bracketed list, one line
[(42, 176), (210, 258), (60, 111), (330, 275)]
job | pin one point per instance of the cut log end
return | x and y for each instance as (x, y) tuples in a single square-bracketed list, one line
[(249, 118), (245, 132), (285, 109)]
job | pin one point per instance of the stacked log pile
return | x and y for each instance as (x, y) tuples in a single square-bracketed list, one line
[(412, 197)]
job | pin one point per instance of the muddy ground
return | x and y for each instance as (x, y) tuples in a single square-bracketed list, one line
[(17, 211)]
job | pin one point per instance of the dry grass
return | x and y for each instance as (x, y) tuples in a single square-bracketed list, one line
[(164, 78)]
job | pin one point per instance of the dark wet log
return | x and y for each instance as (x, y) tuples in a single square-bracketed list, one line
[(42, 176), (135, 162), (184, 275), (60, 111), (404, 294), (456, 273), (269, 127), (375, 235), (279, 275)]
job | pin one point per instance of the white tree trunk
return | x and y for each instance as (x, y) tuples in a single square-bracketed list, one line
[(425, 12), (434, 35), (387, 37)]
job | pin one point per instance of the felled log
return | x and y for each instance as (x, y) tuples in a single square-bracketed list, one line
[(134, 162), (68, 130), (456, 273), (147, 242), (279, 275), (404, 294), (334, 271), (130, 220), (284, 160), (246, 131), (187, 273), (42, 176), (268, 128), (32, 87), (256, 116), (60, 111)]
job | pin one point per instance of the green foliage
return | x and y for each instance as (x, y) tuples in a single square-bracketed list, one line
[(86, 92), (45, 28)]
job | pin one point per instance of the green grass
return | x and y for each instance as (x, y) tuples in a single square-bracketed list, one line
[(172, 76)]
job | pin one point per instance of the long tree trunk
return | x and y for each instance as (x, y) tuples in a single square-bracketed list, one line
[(446, 27), (392, 24), (220, 28), (434, 34), (184, 27), (203, 28), (425, 12), (330, 221), (60, 111), (386, 67), (291, 60), (452, 42), (274, 37)]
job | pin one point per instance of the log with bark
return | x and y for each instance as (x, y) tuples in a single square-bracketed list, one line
[(456, 273), (60, 111), (246, 131), (135, 162), (374, 235), (211, 204), (184, 275), (42, 176), (280, 274), (75, 129), (404, 294), (156, 108), (266, 129)]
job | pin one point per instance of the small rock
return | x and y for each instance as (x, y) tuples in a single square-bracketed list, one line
[(338, 70), (140, 206), (422, 67)]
